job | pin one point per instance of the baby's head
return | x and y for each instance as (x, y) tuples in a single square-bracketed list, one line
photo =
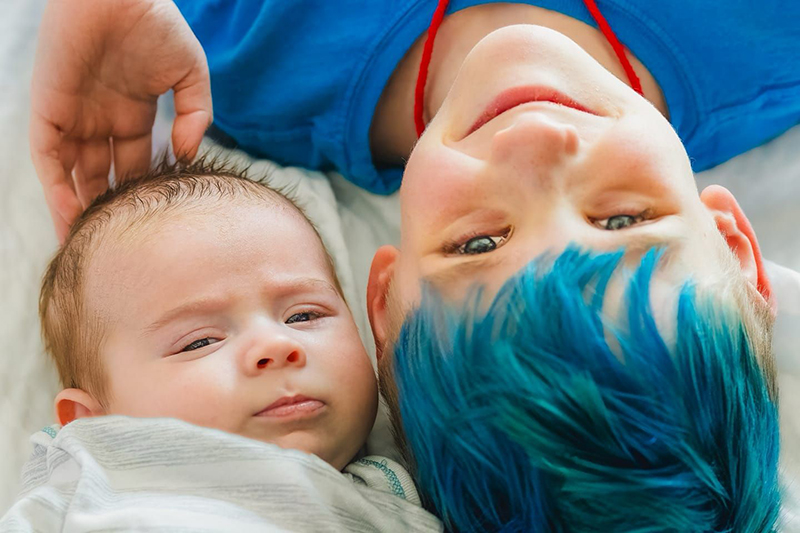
[(198, 294)]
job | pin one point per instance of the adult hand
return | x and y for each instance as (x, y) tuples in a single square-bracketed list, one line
[(100, 67)]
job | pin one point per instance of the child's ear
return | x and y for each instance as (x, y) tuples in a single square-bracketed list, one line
[(738, 233), (380, 279), (72, 404)]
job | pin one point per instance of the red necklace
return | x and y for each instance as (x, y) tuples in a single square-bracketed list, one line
[(438, 17)]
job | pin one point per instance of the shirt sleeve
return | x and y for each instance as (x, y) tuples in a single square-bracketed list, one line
[(297, 82), (275, 77)]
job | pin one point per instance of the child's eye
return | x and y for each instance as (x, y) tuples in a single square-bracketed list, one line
[(199, 343), (478, 244), (618, 222), (305, 316)]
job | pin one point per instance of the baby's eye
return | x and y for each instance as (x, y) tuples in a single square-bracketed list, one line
[(305, 316), (479, 244), (199, 343), (618, 222)]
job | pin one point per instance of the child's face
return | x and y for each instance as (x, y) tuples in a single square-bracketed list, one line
[(503, 174), (224, 311)]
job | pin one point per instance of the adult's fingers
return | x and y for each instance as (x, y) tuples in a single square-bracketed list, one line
[(132, 156), (54, 175), (193, 109), (187, 133), (61, 199), (91, 169), (68, 155), (61, 226)]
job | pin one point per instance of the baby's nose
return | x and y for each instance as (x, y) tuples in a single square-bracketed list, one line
[(294, 357), (273, 351)]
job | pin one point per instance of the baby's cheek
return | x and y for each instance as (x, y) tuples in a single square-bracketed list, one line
[(366, 395), (357, 385), (195, 397), (203, 400)]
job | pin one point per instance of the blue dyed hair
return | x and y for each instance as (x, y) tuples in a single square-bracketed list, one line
[(521, 418)]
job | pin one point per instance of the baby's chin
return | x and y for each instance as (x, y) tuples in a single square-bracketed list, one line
[(308, 442)]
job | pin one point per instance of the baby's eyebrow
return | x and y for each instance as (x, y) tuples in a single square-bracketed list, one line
[(275, 288), (202, 306), (304, 285), (278, 288)]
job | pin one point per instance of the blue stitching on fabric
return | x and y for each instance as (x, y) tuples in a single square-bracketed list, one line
[(391, 477)]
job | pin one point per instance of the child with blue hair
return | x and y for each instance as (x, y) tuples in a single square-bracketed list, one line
[(537, 411)]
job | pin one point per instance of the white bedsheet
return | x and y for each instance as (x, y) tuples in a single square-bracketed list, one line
[(353, 224)]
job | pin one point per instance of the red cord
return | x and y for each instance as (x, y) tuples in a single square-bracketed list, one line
[(438, 16), (611, 37), (427, 52)]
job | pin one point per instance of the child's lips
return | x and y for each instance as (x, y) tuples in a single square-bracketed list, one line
[(517, 96), (292, 407)]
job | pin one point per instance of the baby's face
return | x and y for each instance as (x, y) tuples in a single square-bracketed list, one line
[(228, 317)]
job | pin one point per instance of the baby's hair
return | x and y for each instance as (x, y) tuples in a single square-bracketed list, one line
[(72, 332), (523, 418)]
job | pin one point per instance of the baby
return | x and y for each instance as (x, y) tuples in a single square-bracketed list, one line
[(196, 294)]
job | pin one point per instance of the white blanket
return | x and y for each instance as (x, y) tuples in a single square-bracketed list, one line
[(352, 222), (127, 474)]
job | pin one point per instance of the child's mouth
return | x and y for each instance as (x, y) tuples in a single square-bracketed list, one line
[(517, 96)]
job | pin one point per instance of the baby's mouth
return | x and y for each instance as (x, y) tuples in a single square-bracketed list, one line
[(292, 407)]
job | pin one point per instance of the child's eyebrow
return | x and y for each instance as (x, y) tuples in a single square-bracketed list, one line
[(636, 244), (276, 289), (442, 278)]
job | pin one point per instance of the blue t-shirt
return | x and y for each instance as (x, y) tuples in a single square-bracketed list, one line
[(297, 81)]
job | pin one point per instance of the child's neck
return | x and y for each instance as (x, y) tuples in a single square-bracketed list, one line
[(393, 135)]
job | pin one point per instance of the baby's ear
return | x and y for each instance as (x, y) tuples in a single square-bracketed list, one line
[(739, 235), (72, 404), (380, 279)]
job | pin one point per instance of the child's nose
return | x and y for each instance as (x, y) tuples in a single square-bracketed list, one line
[(535, 143)]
